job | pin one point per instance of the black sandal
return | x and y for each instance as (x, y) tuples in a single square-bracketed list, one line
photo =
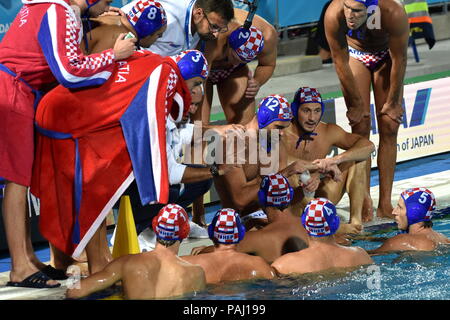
[(55, 274), (37, 280)]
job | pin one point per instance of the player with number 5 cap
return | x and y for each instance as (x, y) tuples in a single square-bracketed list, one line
[(229, 56), (321, 222), (413, 214)]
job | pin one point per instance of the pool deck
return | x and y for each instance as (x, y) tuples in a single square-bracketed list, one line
[(432, 61)]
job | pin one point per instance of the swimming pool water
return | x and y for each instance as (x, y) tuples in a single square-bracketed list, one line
[(405, 276)]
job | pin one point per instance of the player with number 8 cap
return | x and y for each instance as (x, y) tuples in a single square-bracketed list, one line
[(146, 21)]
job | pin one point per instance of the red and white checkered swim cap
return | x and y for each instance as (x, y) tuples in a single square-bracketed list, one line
[(275, 191), (171, 223), (320, 218), (226, 227), (247, 43)]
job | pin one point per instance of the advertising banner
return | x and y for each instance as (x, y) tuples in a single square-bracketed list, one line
[(425, 129)]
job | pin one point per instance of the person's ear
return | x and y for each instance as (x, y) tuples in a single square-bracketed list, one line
[(197, 14)]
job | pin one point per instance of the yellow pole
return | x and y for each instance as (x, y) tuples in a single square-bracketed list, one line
[(126, 241)]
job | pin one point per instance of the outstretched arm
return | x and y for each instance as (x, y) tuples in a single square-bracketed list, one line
[(357, 147), (98, 281)]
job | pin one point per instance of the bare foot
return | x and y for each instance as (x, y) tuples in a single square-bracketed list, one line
[(385, 213), (367, 209), (350, 228)]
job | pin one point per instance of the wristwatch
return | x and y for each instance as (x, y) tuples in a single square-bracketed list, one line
[(214, 170)]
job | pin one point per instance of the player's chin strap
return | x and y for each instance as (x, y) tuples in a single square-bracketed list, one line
[(252, 7), (303, 137)]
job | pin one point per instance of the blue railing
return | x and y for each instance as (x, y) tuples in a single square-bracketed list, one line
[(281, 13)]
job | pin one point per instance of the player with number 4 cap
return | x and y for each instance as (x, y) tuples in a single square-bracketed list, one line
[(321, 223), (413, 214), (222, 262), (155, 274)]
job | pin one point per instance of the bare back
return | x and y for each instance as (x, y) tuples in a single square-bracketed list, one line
[(320, 257), (229, 265), (413, 242), (277, 238), (104, 36), (160, 274)]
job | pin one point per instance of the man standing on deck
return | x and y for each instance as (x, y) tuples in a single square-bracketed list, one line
[(368, 41)]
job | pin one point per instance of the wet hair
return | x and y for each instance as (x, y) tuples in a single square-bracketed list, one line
[(166, 243), (428, 224), (293, 244), (223, 8), (282, 208)]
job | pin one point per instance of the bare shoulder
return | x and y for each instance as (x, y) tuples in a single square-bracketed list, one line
[(393, 11), (334, 11), (406, 242), (359, 255)]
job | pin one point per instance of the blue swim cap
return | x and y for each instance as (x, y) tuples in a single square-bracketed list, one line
[(273, 108), (420, 204), (226, 227), (147, 16), (192, 63), (275, 191), (320, 218), (247, 43), (368, 3)]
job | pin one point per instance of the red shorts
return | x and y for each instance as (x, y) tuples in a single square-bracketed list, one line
[(16, 130)]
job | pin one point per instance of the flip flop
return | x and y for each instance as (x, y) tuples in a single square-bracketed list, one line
[(55, 274), (37, 280)]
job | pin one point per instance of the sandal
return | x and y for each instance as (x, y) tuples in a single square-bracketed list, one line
[(37, 280), (55, 274)]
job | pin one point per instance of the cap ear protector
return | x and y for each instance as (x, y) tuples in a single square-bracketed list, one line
[(265, 187), (229, 236), (320, 218)]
